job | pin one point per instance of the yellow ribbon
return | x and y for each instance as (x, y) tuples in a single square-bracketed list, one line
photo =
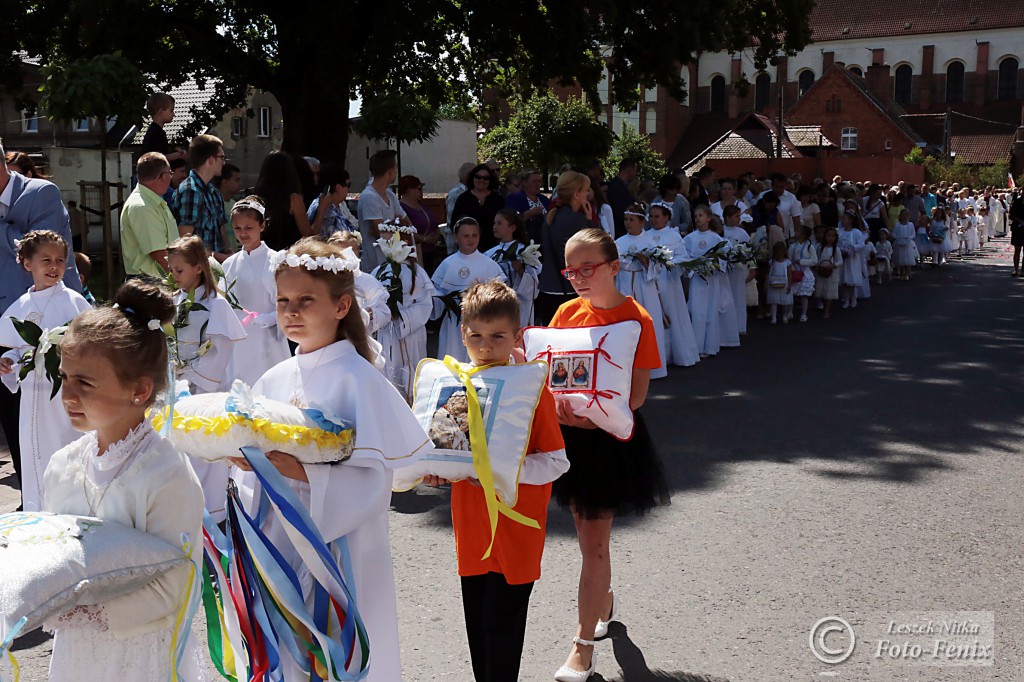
[(481, 455), (187, 549), (15, 668)]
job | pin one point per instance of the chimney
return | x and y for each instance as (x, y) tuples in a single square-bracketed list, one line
[(879, 82), (878, 55), (981, 75), (927, 77), (827, 58)]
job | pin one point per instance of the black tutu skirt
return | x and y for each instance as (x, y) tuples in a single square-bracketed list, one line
[(607, 475)]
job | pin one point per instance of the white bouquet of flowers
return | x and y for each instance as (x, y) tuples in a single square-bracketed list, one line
[(531, 255)]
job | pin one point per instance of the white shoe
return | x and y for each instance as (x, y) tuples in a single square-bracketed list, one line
[(803, 318), (601, 630), (853, 303), (567, 674)]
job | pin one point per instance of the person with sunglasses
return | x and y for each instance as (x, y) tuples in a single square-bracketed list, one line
[(481, 202), (336, 216)]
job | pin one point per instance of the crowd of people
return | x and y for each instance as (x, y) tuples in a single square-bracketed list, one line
[(289, 290)]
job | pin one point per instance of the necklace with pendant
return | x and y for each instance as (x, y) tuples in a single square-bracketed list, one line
[(37, 316), (299, 394)]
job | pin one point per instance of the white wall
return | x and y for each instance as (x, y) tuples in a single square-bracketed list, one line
[(70, 165), (898, 50), (435, 162)]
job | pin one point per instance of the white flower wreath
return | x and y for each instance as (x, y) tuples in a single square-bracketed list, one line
[(347, 262), (393, 225)]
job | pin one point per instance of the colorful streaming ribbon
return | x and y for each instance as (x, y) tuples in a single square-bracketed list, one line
[(481, 454), (256, 612)]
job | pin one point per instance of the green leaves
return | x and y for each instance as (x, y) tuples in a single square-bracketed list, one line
[(632, 144), (103, 86), (30, 332), (394, 116), (544, 132)]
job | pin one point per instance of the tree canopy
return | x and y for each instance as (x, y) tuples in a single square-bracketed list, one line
[(630, 143), (543, 133), (316, 57)]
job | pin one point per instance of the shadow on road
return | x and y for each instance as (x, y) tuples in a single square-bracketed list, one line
[(634, 666), (30, 640), (880, 392)]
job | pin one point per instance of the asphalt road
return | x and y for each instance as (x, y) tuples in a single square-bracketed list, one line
[(865, 467)]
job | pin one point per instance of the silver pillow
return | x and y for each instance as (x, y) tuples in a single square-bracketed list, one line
[(50, 563)]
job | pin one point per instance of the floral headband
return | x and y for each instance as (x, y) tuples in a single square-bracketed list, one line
[(346, 262), (636, 213), (667, 207), (394, 225), (251, 205)]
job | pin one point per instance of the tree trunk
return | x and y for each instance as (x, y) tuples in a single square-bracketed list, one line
[(316, 121)]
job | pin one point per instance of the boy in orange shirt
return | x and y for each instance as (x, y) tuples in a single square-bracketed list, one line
[(496, 591)]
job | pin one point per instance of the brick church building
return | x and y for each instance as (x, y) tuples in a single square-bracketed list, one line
[(879, 79)]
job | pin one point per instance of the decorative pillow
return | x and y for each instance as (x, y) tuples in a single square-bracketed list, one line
[(50, 563), (592, 367), (215, 426), (508, 396)]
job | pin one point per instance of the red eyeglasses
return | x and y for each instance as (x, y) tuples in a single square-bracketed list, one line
[(585, 272)]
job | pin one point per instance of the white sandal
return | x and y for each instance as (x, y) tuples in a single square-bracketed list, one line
[(567, 674), (601, 631)]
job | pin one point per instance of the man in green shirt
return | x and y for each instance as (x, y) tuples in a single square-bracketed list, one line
[(147, 224)]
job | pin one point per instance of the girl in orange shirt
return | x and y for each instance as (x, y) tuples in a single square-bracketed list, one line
[(607, 477)]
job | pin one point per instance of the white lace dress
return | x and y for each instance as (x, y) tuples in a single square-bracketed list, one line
[(142, 482)]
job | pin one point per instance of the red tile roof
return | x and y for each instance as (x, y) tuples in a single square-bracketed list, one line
[(844, 20), (981, 149)]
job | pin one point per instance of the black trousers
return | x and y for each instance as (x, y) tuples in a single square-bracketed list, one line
[(496, 625), (547, 306), (10, 411)]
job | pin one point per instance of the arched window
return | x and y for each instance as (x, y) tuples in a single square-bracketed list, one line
[(857, 71), (901, 84), (806, 80), (718, 93), (955, 82), (1008, 79), (762, 91), (848, 142)]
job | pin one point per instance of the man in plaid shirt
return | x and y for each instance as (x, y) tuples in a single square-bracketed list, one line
[(200, 205)]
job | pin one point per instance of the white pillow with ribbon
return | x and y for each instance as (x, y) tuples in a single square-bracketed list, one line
[(50, 563), (592, 367), (508, 396), (215, 426)]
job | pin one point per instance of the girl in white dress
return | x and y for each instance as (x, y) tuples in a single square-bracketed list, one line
[(347, 501), (970, 229), (43, 424), (705, 293), (454, 275), (883, 255), (205, 331), (511, 233), (851, 272), (114, 361), (804, 258), (680, 343), (740, 275), (780, 289), (633, 280), (249, 279), (938, 236), (404, 338), (904, 255), (830, 261)]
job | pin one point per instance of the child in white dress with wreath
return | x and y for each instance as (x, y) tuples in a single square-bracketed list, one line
[(249, 281), (804, 257), (49, 305)]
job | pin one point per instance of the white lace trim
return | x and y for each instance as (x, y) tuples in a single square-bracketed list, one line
[(118, 453)]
